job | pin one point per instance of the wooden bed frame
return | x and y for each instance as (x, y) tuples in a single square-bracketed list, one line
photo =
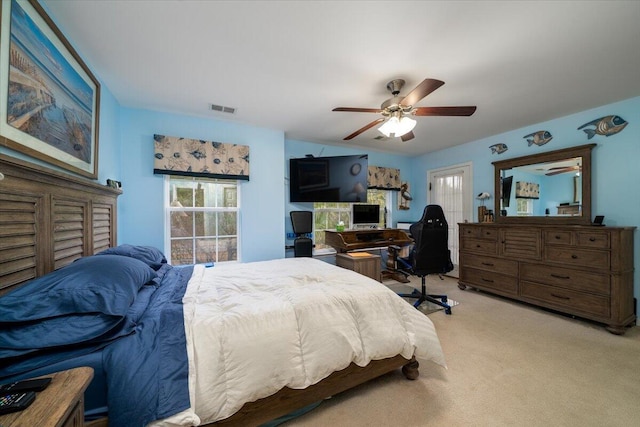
[(48, 219)]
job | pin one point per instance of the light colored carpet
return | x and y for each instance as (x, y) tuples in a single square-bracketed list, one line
[(509, 364)]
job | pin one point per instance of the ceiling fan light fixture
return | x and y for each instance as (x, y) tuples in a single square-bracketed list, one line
[(397, 126)]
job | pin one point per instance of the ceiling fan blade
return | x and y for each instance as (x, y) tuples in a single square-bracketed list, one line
[(423, 89), (365, 128), (407, 136), (559, 170), (358, 110), (445, 111)]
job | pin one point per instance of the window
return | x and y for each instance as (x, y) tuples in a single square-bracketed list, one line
[(327, 215), (524, 207), (202, 218)]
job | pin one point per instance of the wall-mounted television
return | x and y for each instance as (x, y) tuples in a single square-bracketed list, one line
[(328, 179), (365, 214)]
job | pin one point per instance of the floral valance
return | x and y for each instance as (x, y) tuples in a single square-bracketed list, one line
[(527, 190), (195, 157), (382, 178)]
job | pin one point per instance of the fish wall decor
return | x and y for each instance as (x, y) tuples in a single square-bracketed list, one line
[(539, 138), (607, 126), (499, 148)]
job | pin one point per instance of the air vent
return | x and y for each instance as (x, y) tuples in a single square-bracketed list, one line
[(223, 109)]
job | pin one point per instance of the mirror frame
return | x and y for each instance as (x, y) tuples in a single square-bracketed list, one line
[(583, 151)]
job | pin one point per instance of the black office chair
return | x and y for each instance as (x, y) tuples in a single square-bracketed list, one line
[(430, 254), (302, 222)]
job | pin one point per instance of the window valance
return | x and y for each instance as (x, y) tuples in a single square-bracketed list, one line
[(527, 190), (382, 178), (195, 157)]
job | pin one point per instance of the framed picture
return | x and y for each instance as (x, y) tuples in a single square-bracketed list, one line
[(49, 99)]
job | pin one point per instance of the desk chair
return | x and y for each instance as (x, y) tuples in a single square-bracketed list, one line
[(430, 254), (302, 222)]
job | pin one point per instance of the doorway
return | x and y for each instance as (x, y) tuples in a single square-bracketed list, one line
[(451, 188)]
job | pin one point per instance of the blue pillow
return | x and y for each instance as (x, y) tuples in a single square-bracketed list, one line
[(106, 285), (85, 301), (151, 256)]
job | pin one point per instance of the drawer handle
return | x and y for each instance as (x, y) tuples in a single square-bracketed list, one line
[(558, 237), (574, 256), (560, 296), (487, 280), (592, 239), (557, 276), (477, 246), (490, 264)]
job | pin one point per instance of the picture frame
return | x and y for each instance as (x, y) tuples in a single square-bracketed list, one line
[(49, 98)]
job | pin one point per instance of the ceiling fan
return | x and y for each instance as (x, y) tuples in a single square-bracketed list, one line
[(563, 169), (397, 109)]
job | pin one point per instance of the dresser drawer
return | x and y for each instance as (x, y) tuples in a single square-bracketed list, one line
[(469, 231), (593, 239), (565, 299), (566, 278), (558, 237), (490, 279), (522, 244), (479, 245), (499, 265), (578, 257), (489, 233)]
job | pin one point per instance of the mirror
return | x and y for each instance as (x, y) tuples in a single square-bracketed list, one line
[(550, 188)]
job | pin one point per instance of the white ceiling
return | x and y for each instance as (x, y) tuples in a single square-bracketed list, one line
[(286, 64)]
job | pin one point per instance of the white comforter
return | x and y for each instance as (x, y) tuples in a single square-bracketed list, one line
[(254, 328)]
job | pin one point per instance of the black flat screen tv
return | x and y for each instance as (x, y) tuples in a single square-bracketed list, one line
[(329, 179)]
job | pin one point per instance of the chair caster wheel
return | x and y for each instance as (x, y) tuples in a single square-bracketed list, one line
[(447, 311), (444, 299)]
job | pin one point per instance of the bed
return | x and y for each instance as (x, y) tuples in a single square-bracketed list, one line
[(235, 344)]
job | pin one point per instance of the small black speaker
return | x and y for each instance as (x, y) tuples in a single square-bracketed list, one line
[(303, 247)]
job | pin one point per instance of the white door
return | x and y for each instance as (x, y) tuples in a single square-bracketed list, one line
[(450, 188)]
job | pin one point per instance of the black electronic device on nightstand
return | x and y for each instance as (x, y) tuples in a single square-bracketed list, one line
[(16, 402)]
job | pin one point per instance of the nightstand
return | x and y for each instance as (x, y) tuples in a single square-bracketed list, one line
[(61, 404)]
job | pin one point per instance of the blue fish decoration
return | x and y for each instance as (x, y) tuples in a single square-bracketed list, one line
[(607, 126), (198, 154), (499, 148), (539, 138)]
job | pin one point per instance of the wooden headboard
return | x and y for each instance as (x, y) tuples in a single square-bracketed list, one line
[(49, 219)]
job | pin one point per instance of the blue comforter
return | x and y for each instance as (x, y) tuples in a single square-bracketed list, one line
[(130, 311), (147, 372)]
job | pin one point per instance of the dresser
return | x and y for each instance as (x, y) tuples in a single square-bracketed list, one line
[(584, 271)]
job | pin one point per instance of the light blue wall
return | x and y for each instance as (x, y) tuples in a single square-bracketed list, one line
[(261, 199)]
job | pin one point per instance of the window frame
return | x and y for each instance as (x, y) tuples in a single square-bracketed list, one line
[(169, 209), (346, 209)]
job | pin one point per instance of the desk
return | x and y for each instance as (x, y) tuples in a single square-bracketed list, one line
[(351, 240)]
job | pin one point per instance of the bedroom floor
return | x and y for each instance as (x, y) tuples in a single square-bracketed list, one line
[(509, 364)]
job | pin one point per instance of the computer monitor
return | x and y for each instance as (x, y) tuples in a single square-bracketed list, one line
[(362, 214)]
